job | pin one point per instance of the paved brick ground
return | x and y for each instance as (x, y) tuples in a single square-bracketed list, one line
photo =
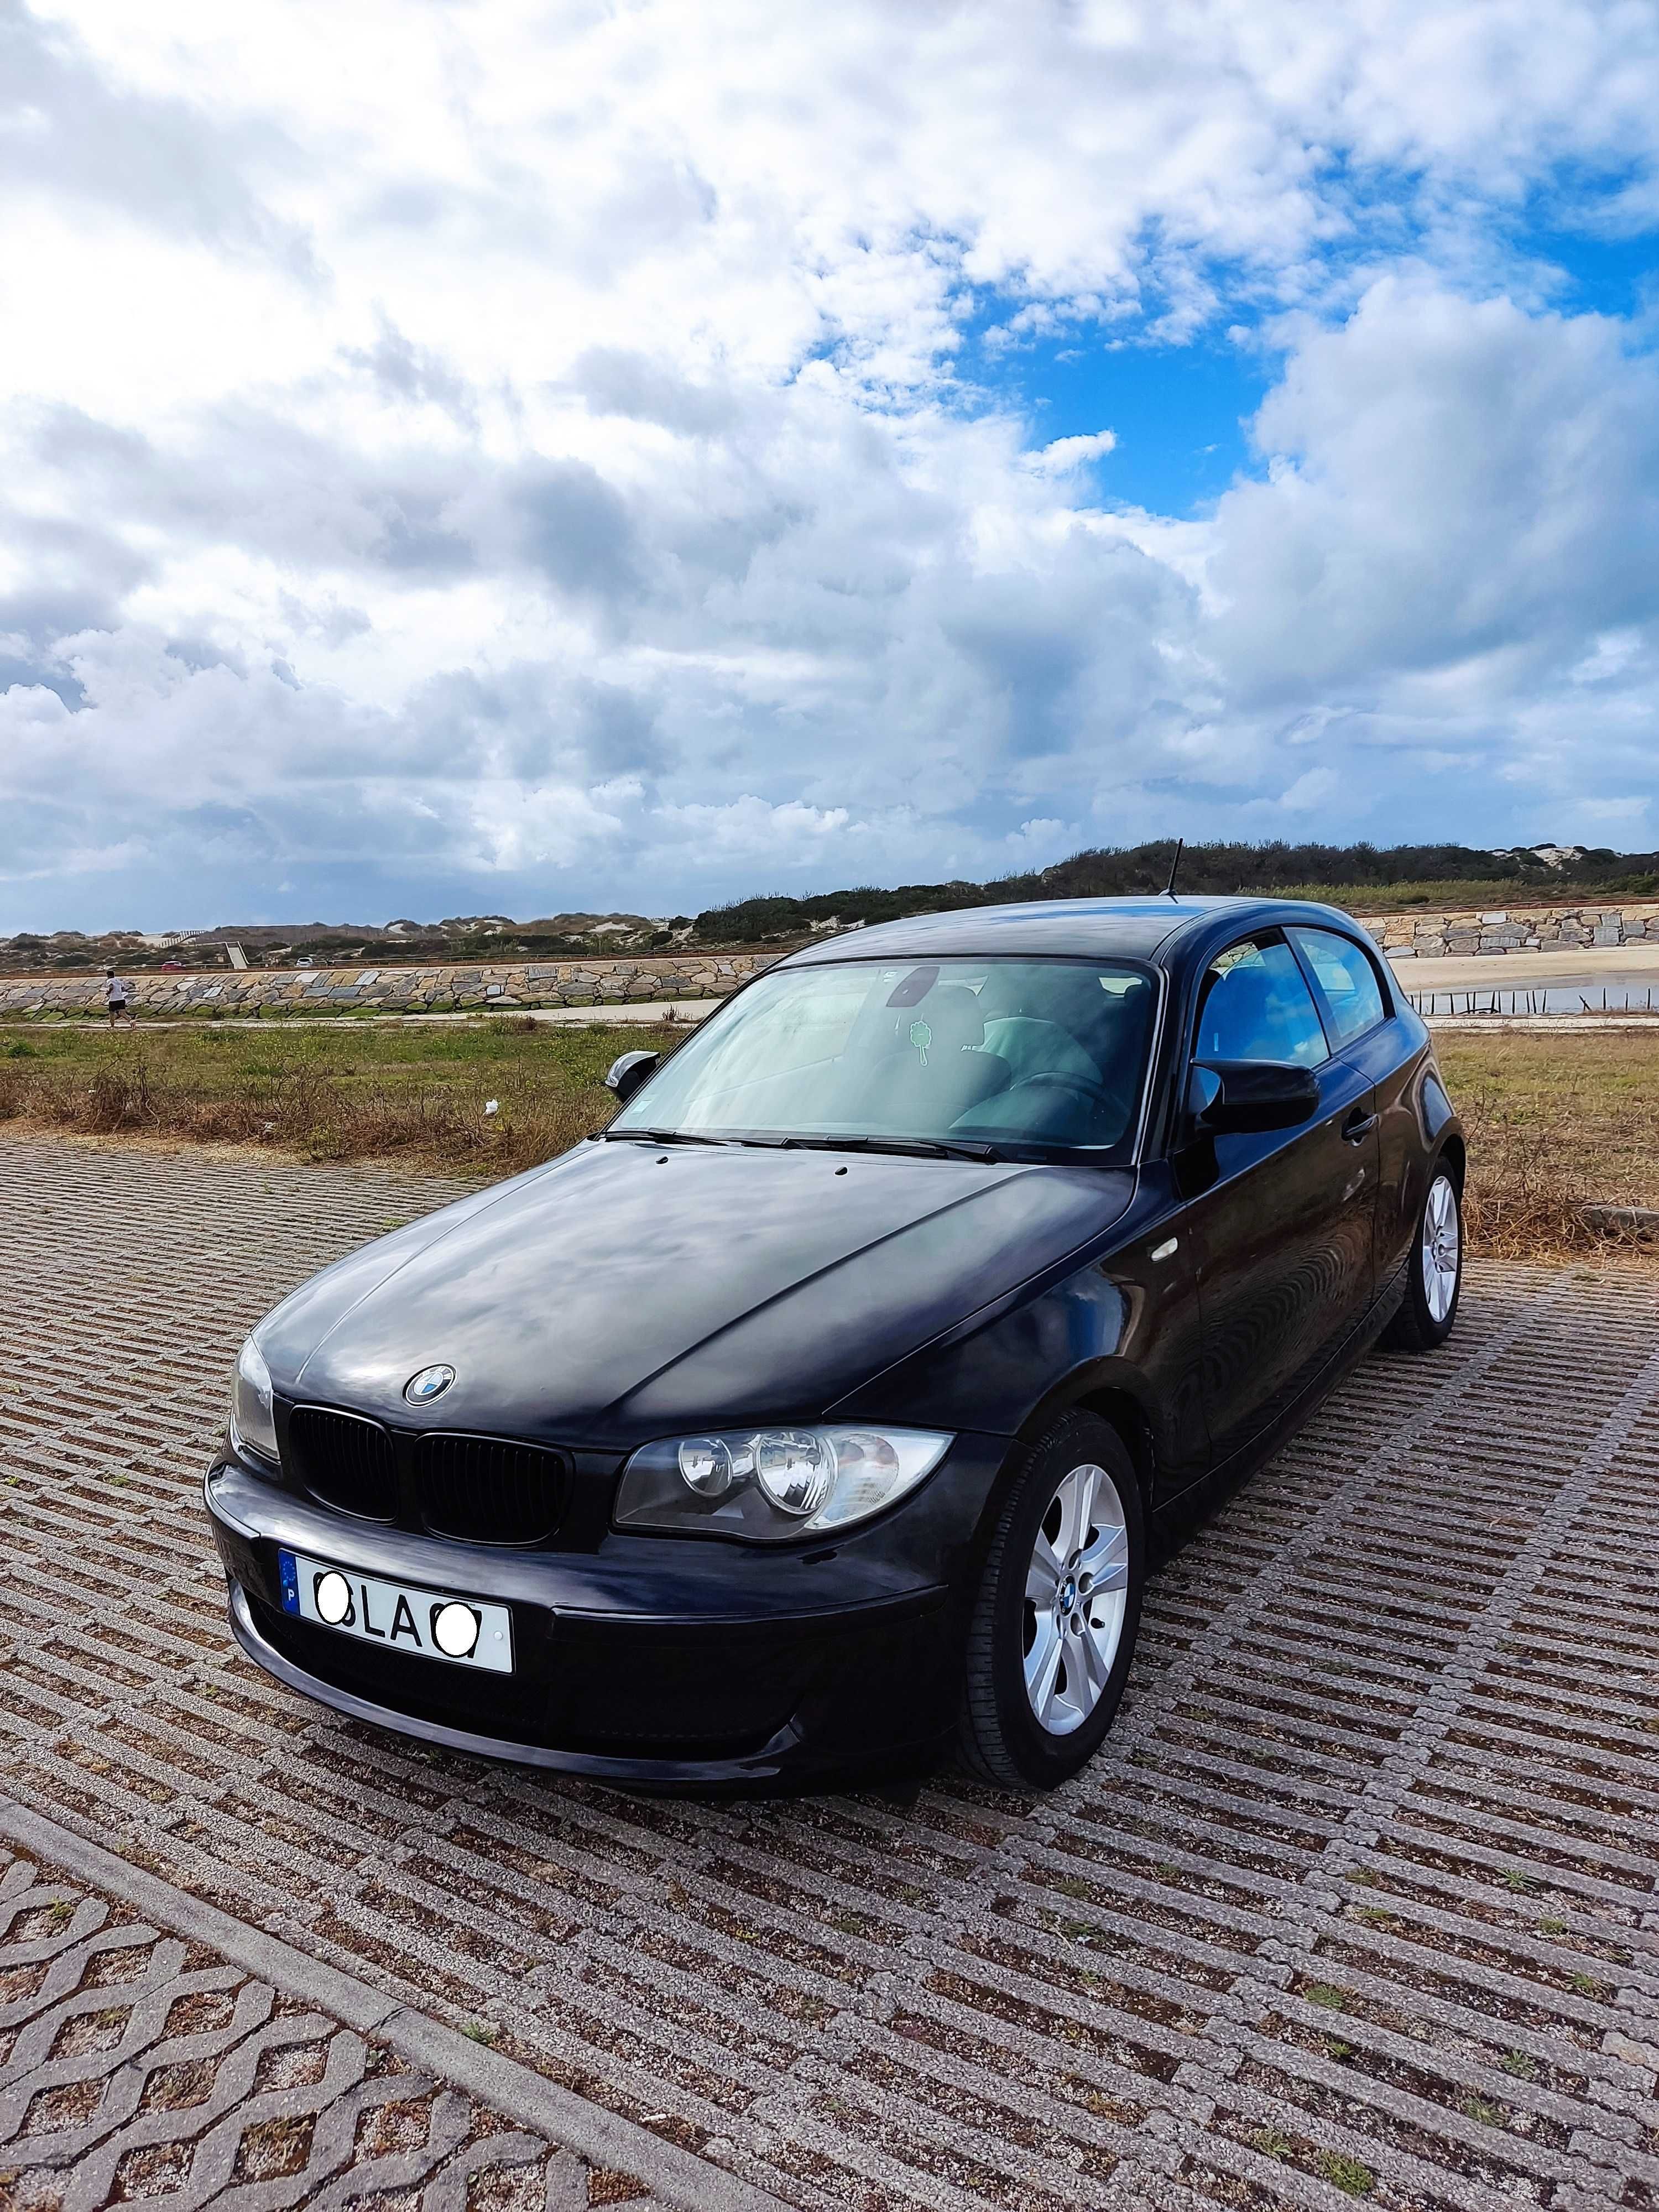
[(135, 2064), (1359, 1901)]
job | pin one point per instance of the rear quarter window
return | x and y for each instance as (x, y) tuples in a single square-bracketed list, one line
[(1347, 980)]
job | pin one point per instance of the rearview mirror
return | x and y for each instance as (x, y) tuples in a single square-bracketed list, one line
[(626, 1074), (1229, 1098)]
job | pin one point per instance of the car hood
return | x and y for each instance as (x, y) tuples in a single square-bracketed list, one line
[(625, 1290)]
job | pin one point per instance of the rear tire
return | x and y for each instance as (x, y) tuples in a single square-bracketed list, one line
[(1434, 1270), (1057, 1608)]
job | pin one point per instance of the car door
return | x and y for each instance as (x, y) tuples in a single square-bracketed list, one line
[(1282, 1218), (1367, 1027)]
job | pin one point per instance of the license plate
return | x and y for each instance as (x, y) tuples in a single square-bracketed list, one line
[(428, 1624)]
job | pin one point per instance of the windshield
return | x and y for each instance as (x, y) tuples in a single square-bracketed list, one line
[(1009, 1053)]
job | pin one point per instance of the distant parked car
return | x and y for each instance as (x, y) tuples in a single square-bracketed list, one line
[(174, 964), (816, 1412)]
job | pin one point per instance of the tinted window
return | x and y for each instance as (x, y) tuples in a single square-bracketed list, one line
[(1042, 1053), (1347, 979), (1256, 1006)]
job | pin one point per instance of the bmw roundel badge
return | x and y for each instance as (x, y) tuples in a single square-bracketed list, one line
[(431, 1383)]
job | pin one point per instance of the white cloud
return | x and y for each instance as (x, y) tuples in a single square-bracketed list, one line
[(1311, 790), (1062, 457), (1461, 505), (528, 445)]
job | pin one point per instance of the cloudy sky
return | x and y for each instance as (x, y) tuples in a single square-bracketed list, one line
[(507, 458)]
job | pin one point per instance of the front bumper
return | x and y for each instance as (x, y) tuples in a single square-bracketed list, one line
[(663, 1662)]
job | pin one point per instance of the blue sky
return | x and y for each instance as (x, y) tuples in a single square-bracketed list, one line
[(1181, 410), (1181, 413), (1600, 276), (478, 462)]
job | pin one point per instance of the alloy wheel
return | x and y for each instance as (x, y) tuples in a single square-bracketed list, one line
[(1076, 1593), (1442, 1249)]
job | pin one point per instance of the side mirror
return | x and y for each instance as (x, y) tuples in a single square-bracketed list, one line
[(1229, 1098), (626, 1074)]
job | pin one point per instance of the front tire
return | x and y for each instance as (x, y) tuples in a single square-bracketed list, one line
[(1057, 1610), (1434, 1272)]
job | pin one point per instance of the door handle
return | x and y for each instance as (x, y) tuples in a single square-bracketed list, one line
[(1358, 1126)]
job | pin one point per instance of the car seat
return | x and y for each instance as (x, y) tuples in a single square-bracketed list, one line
[(916, 1069), (1074, 1050)]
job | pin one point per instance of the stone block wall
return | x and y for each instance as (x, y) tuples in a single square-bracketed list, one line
[(1425, 935), (482, 989)]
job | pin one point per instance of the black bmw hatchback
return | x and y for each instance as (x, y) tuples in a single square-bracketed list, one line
[(816, 1414)]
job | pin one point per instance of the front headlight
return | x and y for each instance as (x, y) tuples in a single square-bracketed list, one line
[(252, 1421), (768, 1485)]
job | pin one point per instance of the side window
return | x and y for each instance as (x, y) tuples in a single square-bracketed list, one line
[(1256, 1005), (1347, 979)]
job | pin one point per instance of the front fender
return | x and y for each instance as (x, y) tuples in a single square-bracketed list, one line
[(1121, 1323)]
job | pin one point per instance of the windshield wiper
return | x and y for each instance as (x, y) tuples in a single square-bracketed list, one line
[(925, 1148), (661, 1136)]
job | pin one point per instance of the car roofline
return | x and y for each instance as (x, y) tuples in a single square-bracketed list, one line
[(1188, 917)]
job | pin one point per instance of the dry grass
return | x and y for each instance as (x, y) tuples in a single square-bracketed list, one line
[(1471, 896), (1555, 1122), (419, 1095)]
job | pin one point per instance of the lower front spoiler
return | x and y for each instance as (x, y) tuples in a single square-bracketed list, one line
[(779, 1763), (760, 1766)]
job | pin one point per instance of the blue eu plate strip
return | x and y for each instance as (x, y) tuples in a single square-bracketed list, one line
[(289, 1574)]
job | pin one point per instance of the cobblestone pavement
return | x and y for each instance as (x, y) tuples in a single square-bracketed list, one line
[(1358, 1901), (134, 2064)]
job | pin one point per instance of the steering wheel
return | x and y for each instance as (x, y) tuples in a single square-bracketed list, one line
[(1093, 1098), (1080, 1086)]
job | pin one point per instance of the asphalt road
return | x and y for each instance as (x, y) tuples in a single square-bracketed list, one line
[(1358, 1901)]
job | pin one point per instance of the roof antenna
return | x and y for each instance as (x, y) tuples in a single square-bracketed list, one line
[(1174, 866)]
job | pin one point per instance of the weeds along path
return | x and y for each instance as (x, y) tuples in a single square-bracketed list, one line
[(1557, 1122), (487, 1100)]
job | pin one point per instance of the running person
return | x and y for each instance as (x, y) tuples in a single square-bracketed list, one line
[(115, 994)]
